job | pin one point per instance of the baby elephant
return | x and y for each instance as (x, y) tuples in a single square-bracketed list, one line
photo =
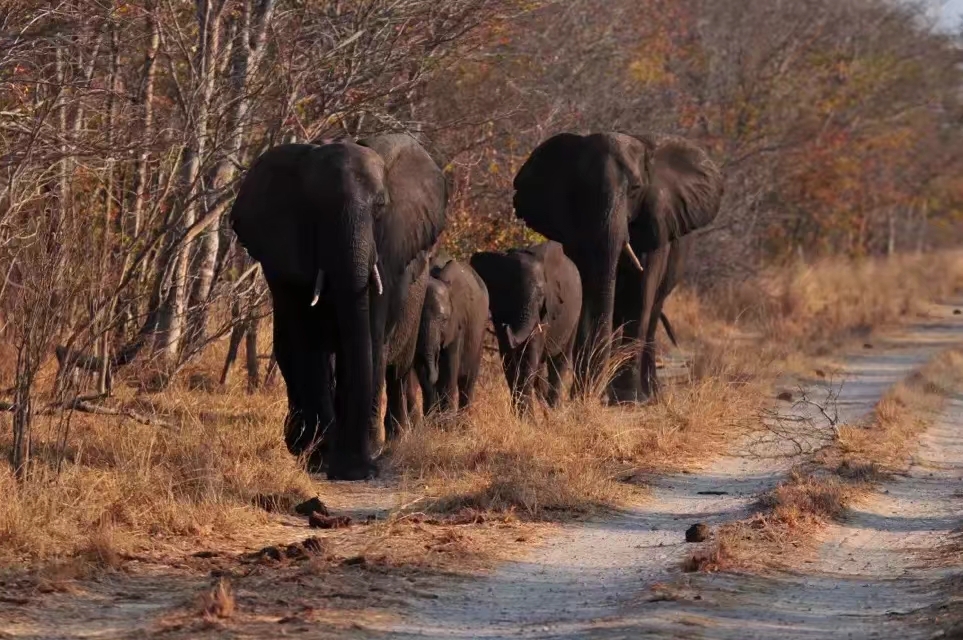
[(536, 299), (450, 337)]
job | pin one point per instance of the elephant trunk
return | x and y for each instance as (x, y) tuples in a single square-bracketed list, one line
[(597, 266), (355, 365), (518, 334)]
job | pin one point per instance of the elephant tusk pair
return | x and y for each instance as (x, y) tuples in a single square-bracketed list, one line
[(319, 284), (627, 250)]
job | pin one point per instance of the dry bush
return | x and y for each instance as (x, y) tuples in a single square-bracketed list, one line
[(717, 556)]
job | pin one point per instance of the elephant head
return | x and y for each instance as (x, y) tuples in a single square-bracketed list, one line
[(516, 288), (609, 198), (433, 333), (307, 213)]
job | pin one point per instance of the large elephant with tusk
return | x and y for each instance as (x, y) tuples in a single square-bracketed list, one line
[(622, 206), (344, 232)]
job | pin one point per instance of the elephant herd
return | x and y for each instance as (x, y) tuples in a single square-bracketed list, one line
[(346, 233)]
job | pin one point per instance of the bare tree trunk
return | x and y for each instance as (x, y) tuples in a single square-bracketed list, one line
[(272, 370), (246, 55), (103, 375), (237, 333), (173, 316), (924, 223), (253, 373), (891, 235)]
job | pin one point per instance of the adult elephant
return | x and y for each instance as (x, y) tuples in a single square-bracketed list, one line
[(343, 231), (621, 206)]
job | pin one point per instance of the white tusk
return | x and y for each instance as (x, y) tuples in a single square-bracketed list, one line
[(377, 280), (318, 285), (635, 260)]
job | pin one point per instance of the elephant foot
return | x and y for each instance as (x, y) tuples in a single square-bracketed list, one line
[(352, 469), (317, 462)]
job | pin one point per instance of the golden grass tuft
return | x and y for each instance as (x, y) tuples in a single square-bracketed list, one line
[(218, 602)]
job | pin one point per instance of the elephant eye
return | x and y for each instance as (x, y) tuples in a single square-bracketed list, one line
[(380, 200), (635, 189)]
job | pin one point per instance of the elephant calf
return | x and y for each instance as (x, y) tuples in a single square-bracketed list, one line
[(535, 299), (450, 337)]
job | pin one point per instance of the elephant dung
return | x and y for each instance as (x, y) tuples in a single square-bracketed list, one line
[(322, 521), (314, 505), (698, 532)]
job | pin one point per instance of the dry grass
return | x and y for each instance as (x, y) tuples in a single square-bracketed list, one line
[(812, 308), (578, 458), (128, 487), (821, 491), (138, 485)]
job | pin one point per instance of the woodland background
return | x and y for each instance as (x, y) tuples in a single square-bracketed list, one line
[(125, 127)]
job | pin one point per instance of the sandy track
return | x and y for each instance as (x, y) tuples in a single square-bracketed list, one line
[(596, 578)]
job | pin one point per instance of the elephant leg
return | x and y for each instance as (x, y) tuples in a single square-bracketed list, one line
[(415, 413), (396, 414), (358, 350), (448, 364), (628, 311), (466, 383), (649, 382), (523, 377), (557, 369)]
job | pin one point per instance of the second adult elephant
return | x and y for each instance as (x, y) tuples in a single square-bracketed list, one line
[(622, 206), (535, 300), (343, 231), (451, 337)]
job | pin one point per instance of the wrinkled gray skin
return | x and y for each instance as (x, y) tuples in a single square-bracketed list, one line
[(450, 339), (622, 207), (344, 232), (535, 301)]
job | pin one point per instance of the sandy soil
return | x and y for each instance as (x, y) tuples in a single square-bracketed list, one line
[(611, 578)]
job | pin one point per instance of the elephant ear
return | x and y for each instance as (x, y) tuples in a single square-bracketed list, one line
[(268, 213), (684, 191), (545, 187), (414, 215)]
